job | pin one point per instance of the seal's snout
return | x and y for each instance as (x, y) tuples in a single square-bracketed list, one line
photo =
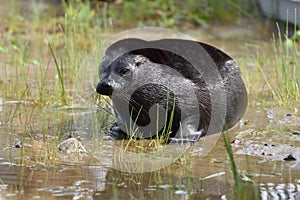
[(104, 88)]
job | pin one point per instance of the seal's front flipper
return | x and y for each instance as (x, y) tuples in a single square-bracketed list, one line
[(115, 133)]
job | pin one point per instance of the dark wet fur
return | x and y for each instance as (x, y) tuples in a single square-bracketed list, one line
[(236, 100)]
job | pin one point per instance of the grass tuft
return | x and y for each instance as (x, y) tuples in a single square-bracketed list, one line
[(236, 177), (280, 69), (60, 75)]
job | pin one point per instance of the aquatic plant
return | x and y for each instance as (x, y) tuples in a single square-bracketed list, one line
[(237, 181), (242, 181), (60, 75), (280, 70)]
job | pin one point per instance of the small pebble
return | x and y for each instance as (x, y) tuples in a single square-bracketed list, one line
[(296, 132), (244, 122), (270, 113), (178, 192), (236, 142), (290, 158), (17, 145)]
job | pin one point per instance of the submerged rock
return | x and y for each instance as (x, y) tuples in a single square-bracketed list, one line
[(72, 145)]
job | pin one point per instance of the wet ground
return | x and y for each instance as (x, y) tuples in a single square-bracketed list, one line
[(265, 146), (265, 150)]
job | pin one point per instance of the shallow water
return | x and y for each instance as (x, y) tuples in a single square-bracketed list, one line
[(38, 170), (42, 172)]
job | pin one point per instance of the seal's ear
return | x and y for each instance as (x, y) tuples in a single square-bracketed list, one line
[(140, 60)]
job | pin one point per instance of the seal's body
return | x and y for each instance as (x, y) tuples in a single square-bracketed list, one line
[(198, 88)]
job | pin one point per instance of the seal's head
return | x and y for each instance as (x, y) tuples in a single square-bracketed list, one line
[(119, 74)]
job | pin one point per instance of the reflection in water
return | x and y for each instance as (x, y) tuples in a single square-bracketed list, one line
[(279, 191), (43, 172)]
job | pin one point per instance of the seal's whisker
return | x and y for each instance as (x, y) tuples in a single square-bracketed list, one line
[(99, 104), (105, 109), (132, 101), (90, 91), (92, 95), (135, 106), (106, 101)]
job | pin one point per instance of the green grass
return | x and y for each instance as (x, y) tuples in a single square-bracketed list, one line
[(40, 57), (243, 187), (60, 75), (28, 72), (69, 38), (237, 182), (280, 69), (171, 14)]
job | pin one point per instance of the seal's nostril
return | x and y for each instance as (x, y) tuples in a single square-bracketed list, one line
[(104, 88), (98, 88)]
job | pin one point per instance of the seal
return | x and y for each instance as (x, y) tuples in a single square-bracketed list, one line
[(188, 82)]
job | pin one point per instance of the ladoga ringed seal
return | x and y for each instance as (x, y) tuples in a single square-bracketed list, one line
[(198, 87)]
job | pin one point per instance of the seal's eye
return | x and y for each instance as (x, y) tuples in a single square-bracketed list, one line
[(124, 71)]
